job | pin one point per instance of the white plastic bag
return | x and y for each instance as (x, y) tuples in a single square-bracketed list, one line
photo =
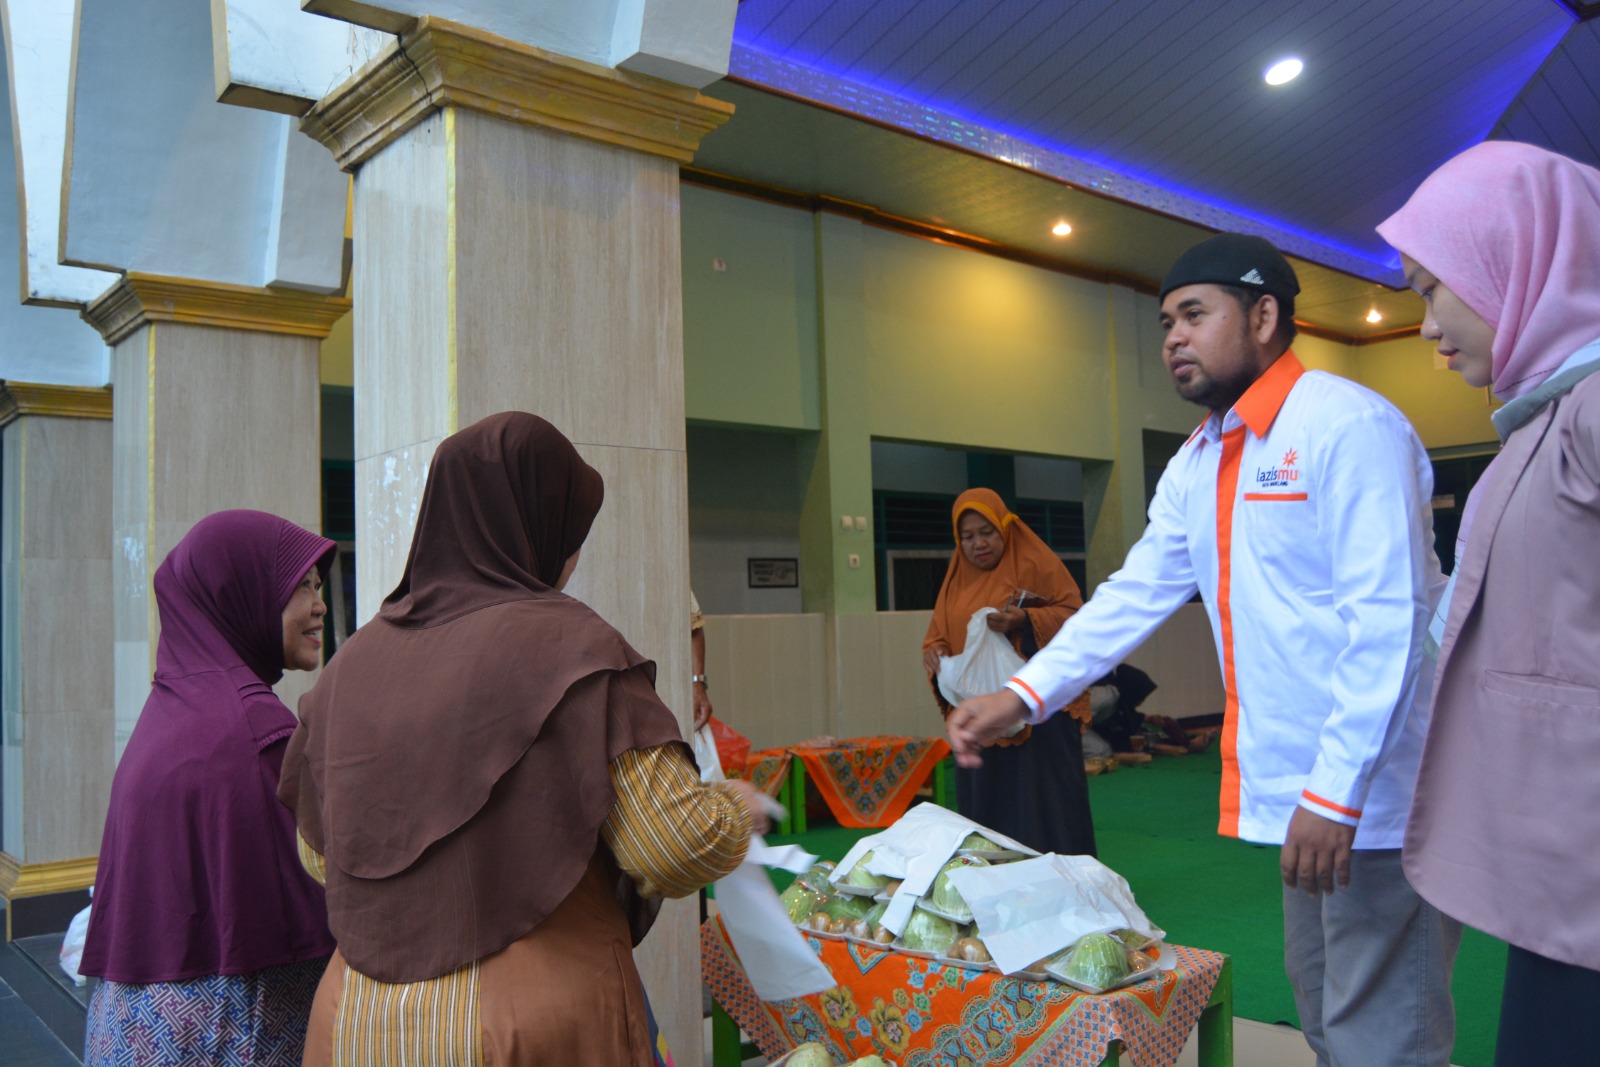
[(72, 946), (914, 850), (773, 954), (705, 754), (986, 663), (1032, 908)]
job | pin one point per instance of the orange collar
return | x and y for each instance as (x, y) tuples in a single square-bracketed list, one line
[(1262, 401)]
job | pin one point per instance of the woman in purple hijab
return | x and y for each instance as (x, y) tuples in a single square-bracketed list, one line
[(209, 937)]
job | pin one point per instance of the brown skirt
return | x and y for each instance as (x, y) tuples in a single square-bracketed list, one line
[(567, 992)]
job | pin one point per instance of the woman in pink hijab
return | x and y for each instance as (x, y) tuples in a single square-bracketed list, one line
[(1503, 243)]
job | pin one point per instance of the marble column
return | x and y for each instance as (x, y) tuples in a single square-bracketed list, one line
[(217, 405), (516, 246), (55, 639)]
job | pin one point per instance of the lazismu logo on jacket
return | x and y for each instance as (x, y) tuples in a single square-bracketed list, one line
[(1283, 475)]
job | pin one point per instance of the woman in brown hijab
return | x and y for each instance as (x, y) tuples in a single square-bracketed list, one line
[(491, 790), (1031, 787)]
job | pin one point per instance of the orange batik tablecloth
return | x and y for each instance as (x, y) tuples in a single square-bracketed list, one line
[(871, 781), (923, 1013), (768, 770)]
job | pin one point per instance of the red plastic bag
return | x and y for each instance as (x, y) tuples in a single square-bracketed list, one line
[(733, 748)]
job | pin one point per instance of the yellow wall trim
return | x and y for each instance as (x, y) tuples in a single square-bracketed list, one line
[(64, 401), (139, 299), (18, 879), (440, 64)]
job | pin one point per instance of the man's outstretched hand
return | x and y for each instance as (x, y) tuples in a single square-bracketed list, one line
[(978, 721)]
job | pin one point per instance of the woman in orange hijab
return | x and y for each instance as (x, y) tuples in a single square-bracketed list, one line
[(1031, 787)]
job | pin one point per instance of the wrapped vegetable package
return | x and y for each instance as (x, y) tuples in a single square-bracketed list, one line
[(926, 932), (1098, 960), (801, 901), (945, 897), (818, 877), (858, 875), (848, 908), (811, 1054)]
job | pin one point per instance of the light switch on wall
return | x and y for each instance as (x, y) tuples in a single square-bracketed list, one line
[(861, 522), (846, 522)]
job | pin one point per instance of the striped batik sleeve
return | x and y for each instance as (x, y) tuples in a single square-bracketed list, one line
[(312, 861), (670, 833)]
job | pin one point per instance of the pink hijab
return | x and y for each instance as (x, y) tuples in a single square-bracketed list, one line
[(1514, 231)]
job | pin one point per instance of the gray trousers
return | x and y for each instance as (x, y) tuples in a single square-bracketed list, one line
[(1370, 964)]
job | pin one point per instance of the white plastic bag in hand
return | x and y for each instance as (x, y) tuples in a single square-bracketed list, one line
[(774, 955), (72, 946), (705, 754), (986, 663)]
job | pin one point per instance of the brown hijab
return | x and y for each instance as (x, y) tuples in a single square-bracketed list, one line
[(1027, 563), (452, 764)]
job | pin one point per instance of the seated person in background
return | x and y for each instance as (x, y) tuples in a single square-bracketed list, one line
[(1032, 786), (1114, 703)]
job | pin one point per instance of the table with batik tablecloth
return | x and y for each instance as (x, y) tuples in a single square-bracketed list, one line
[(919, 1012), (768, 771), (867, 781)]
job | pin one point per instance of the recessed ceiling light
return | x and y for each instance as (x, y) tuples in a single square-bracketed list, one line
[(1284, 70), (1374, 317), (1061, 229)]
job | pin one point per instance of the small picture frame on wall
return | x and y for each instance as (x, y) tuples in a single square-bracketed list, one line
[(774, 573)]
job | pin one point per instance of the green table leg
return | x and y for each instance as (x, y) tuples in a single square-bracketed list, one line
[(1216, 1026), (1216, 1022), (797, 796), (725, 1051), (943, 783), (786, 798)]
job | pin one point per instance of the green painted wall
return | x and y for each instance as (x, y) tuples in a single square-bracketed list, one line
[(973, 350), (1316, 353), (749, 331), (851, 332), (1446, 412), (338, 355), (836, 565)]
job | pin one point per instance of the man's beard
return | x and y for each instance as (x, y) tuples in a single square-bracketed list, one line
[(1220, 394)]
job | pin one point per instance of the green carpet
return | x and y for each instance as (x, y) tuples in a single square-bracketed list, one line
[(1156, 826)]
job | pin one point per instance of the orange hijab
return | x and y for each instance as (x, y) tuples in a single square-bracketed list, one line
[(1027, 563)]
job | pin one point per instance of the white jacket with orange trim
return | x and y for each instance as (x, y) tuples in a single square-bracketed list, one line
[(1303, 518)]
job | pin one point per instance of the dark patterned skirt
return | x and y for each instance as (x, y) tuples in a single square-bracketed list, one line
[(236, 1020), (1035, 792)]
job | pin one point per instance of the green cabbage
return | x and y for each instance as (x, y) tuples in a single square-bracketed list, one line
[(874, 914), (873, 1060), (926, 932), (801, 901), (945, 897), (811, 1054), (1097, 960), (979, 843), (860, 876), (848, 908)]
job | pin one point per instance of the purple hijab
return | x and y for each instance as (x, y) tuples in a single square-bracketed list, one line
[(199, 873)]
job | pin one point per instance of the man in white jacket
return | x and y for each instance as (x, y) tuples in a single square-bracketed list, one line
[(1299, 510)]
